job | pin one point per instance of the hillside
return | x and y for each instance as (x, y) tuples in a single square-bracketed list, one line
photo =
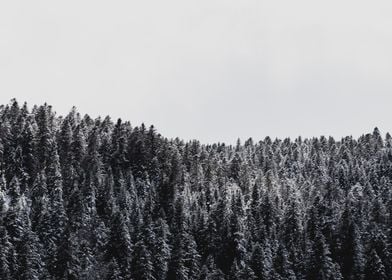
[(84, 198)]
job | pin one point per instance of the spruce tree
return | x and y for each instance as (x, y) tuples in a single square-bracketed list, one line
[(375, 268)]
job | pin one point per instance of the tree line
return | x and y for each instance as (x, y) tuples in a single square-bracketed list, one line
[(84, 198)]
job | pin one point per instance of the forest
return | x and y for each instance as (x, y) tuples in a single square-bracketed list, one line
[(84, 198)]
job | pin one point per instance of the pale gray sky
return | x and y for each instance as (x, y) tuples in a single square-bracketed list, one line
[(213, 70)]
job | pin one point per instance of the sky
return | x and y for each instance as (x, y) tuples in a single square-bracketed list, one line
[(213, 70)]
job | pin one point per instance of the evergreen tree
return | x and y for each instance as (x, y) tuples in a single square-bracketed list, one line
[(375, 268), (96, 199), (30, 257), (143, 266), (162, 251), (7, 261), (120, 244)]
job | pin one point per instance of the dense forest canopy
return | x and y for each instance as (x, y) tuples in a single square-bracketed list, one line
[(84, 198)]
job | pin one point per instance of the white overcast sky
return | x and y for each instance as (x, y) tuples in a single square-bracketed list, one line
[(214, 70)]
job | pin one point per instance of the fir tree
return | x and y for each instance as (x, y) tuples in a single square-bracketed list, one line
[(375, 268)]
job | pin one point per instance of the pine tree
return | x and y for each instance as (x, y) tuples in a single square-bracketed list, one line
[(352, 259), (114, 271), (30, 257), (326, 268), (120, 244), (210, 272), (143, 266), (375, 268), (284, 266), (241, 271), (6, 257), (162, 251), (261, 261), (15, 218), (57, 216)]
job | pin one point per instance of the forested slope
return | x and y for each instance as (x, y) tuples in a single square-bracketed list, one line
[(84, 198)]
